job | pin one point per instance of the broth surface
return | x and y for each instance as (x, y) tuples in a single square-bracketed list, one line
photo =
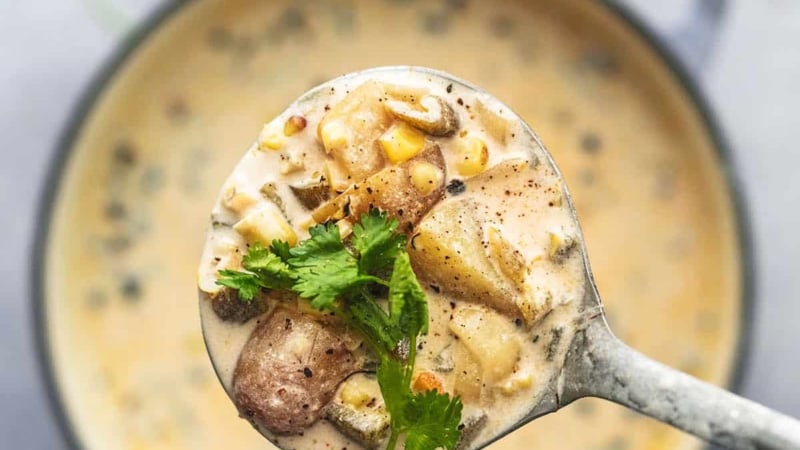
[(132, 210)]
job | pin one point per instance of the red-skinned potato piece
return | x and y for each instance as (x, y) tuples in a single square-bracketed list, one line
[(289, 370), (391, 190)]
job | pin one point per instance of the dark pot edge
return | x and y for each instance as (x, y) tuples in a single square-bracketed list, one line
[(99, 82)]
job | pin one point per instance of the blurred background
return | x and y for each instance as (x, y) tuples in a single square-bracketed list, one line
[(745, 55)]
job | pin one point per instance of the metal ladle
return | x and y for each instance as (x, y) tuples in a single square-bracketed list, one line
[(597, 364)]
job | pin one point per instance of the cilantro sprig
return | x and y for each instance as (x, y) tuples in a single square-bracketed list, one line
[(340, 276)]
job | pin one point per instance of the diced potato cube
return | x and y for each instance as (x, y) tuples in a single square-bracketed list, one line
[(358, 413), (294, 125), (535, 304), (489, 337), (362, 118), (495, 124), (265, 223), (468, 381), (426, 177), (336, 177), (447, 250), (271, 137), (390, 190), (335, 136), (402, 142), (472, 156)]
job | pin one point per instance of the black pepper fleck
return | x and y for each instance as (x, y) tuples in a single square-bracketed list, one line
[(455, 187)]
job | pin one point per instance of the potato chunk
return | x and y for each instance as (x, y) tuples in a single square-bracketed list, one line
[(496, 124), (265, 223), (392, 190), (447, 250), (289, 370), (349, 131), (358, 411), (489, 337)]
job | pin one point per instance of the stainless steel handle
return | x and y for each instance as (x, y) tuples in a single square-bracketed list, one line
[(602, 366)]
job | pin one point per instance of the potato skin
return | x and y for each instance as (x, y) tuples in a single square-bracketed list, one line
[(390, 190), (289, 370)]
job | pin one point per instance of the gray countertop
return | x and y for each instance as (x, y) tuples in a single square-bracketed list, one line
[(748, 64)]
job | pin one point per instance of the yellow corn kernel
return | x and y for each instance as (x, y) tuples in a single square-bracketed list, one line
[(294, 125), (265, 223), (271, 137), (334, 135), (355, 393), (402, 142), (473, 155), (517, 383), (236, 201), (425, 177)]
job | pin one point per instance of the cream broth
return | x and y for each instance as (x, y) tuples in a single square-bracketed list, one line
[(502, 220), (131, 209)]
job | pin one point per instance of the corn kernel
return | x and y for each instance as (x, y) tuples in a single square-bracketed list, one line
[(402, 142), (294, 125), (425, 177), (265, 223), (473, 156), (517, 383), (335, 136), (354, 393), (236, 201), (271, 137)]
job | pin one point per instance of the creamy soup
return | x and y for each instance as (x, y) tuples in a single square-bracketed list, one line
[(131, 210), (490, 236)]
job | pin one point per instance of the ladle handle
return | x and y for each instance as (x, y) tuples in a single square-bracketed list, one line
[(602, 366)]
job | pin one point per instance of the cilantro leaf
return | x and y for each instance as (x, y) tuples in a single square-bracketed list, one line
[(281, 249), (391, 376), (377, 241), (372, 321), (429, 419), (340, 278), (433, 420), (272, 271), (407, 303), (248, 284), (325, 269)]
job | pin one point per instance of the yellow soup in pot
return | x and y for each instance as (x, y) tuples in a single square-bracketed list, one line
[(132, 208)]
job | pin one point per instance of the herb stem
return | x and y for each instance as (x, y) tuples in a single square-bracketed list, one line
[(393, 439)]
